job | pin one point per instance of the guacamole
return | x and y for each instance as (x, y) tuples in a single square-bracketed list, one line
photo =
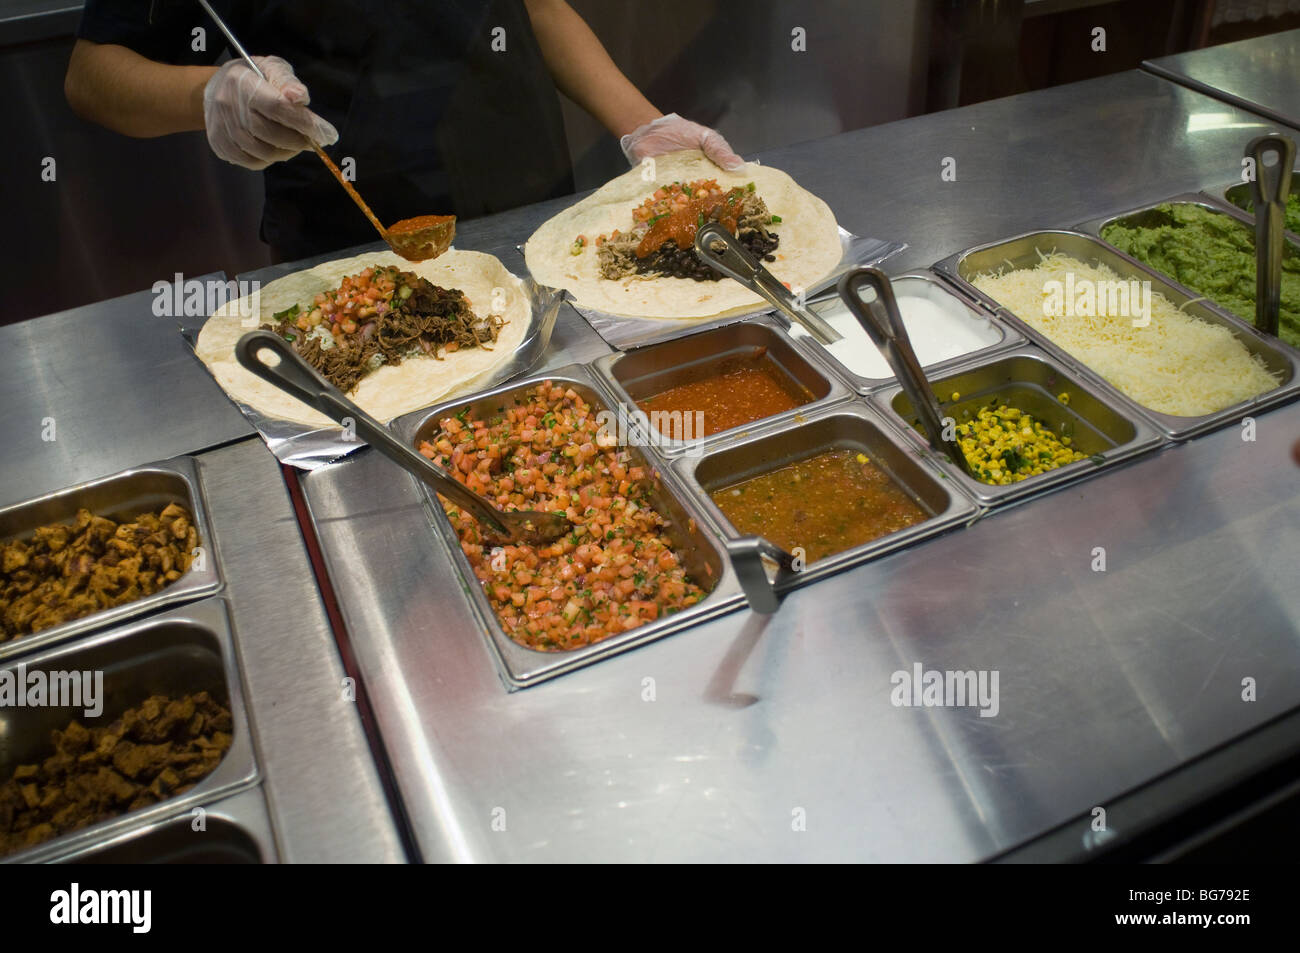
[(1214, 255), (1292, 210)]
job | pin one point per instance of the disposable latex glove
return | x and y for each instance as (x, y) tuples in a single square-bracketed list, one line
[(253, 122), (672, 133)]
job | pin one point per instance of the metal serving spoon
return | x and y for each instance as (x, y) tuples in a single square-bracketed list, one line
[(877, 312), (723, 252), (415, 239), (1269, 190), (296, 377)]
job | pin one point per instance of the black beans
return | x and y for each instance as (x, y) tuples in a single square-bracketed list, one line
[(683, 262)]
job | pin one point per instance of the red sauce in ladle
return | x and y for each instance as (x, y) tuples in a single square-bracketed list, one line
[(422, 237)]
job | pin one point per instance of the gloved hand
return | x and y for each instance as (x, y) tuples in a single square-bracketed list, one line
[(671, 133), (252, 122)]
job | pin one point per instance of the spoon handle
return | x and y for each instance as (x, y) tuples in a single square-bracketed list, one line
[(295, 376), (746, 554), (347, 187), (1269, 190), (867, 293)]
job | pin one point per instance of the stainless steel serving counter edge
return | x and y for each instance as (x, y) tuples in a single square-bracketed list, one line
[(105, 387)]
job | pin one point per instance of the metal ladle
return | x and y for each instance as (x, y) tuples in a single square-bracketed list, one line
[(867, 293), (296, 377), (1269, 189), (723, 252), (415, 239)]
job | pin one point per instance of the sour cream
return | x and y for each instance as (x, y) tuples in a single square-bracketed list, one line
[(939, 330)]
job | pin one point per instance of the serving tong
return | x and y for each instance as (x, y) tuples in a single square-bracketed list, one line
[(299, 379), (724, 253), (868, 295), (1269, 189), (415, 239)]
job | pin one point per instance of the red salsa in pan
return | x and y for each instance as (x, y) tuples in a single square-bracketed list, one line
[(730, 393)]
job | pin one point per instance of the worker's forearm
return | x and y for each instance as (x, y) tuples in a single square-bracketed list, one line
[(583, 70), (118, 88)]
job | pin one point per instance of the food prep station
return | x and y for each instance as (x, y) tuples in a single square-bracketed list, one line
[(383, 714)]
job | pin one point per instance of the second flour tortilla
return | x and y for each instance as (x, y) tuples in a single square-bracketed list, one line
[(809, 251), (392, 390)]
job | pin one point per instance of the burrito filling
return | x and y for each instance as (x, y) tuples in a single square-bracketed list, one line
[(661, 240), (379, 316)]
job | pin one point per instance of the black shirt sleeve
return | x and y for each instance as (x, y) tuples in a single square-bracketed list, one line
[(160, 30)]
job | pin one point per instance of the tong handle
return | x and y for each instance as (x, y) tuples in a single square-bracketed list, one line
[(722, 251), (713, 243), (295, 376)]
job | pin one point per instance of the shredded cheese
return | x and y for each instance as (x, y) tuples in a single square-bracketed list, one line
[(1176, 364)]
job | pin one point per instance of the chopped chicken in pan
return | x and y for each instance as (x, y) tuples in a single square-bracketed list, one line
[(69, 570), (159, 749)]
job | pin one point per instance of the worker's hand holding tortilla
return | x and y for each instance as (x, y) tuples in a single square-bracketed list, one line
[(253, 122), (672, 133)]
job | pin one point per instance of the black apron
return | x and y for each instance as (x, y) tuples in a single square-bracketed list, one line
[(433, 118)]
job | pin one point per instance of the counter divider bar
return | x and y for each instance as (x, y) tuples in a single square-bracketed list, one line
[(1220, 94), (369, 724)]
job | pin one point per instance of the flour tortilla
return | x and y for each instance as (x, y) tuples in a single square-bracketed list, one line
[(809, 250), (391, 390)]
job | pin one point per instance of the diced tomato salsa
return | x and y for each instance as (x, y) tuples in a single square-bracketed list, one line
[(615, 571)]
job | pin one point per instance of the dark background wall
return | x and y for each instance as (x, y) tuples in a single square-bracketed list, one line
[(125, 213), (729, 64), (122, 213)]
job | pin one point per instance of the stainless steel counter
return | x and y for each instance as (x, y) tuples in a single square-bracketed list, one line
[(1047, 159), (323, 790), (118, 384), (1107, 678), (123, 389), (1257, 74)]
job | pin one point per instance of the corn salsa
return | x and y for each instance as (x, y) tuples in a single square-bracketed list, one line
[(1005, 445), (823, 505)]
